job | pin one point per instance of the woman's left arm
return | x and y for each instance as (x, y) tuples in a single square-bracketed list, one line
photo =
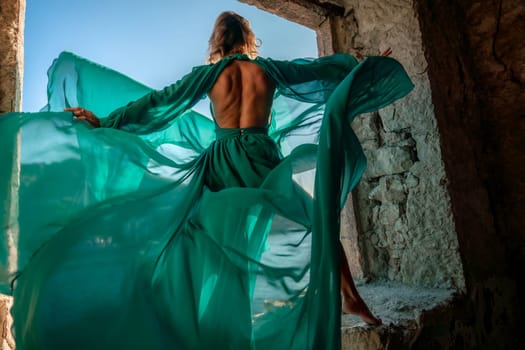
[(85, 114), (156, 109)]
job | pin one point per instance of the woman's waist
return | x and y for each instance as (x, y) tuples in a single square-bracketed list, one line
[(223, 133)]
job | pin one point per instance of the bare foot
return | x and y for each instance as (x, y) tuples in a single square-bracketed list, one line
[(359, 308), (352, 301)]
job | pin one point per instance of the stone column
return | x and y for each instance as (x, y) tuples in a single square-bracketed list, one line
[(12, 16)]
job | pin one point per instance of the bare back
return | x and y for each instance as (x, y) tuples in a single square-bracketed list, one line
[(242, 96)]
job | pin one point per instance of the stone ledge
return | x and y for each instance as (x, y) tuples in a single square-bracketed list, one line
[(401, 308)]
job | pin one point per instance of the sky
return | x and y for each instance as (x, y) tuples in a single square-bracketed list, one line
[(153, 41)]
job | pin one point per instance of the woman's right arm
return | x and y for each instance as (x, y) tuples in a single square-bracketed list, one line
[(312, 80)]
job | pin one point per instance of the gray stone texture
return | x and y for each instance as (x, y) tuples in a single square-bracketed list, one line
[(404, 208)]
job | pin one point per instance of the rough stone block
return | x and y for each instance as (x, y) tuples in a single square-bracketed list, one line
[(400, 139), (392, 121), (366, 128), (388, 161), (388, 214), (390, 189)]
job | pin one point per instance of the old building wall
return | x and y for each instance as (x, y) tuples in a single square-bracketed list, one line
[(454, 150), (477, 70), (404, 213)]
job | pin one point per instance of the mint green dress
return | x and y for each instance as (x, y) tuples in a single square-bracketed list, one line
[(161, 230)]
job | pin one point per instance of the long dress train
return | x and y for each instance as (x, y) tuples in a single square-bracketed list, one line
[(161, 230)]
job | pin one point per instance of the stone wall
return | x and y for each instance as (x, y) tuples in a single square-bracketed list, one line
[(477, 73), (405, 219)]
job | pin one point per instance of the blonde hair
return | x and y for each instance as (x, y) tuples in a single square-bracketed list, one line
[(231, 34)]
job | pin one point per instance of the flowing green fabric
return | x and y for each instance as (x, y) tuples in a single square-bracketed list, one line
[(161, 230)]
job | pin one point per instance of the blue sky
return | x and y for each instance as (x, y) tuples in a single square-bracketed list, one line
[(152, 41)]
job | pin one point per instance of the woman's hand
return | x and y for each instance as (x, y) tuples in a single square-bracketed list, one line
[(84, 114), (387, 52)]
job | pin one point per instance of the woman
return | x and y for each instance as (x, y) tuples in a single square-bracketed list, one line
[(183, 239), (242, 98)]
